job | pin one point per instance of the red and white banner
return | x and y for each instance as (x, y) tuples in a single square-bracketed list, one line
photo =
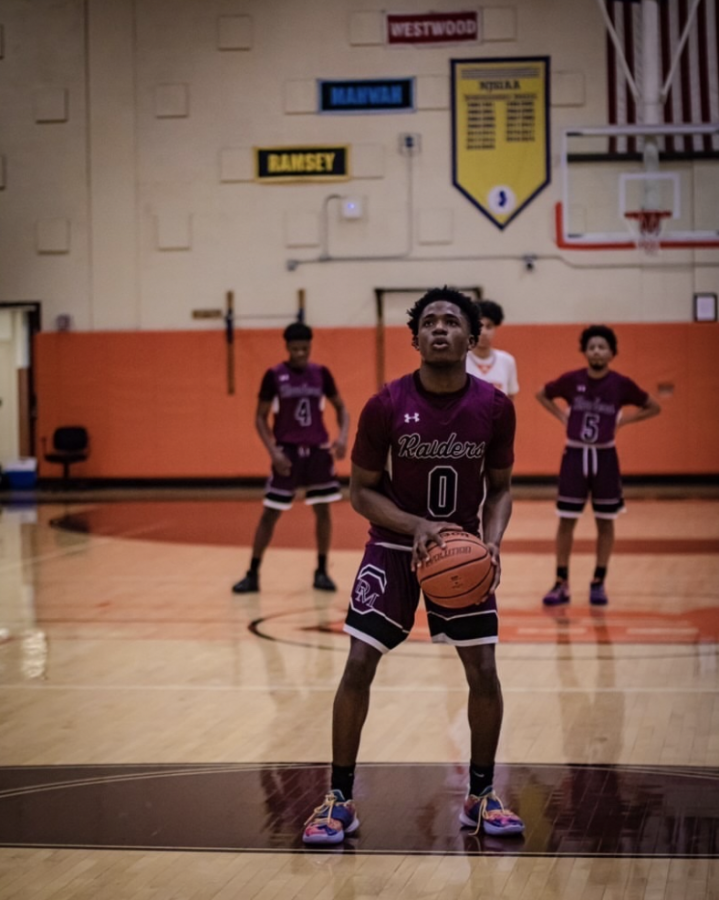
[(693, 97), (433, 28)]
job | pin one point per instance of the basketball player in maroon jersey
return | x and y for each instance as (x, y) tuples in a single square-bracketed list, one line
[(299, 449), (595, 397), (433, 453)]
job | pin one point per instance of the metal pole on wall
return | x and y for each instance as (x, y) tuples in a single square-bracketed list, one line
[(379, 339), (651, 97), (230, 340), (301, 305)]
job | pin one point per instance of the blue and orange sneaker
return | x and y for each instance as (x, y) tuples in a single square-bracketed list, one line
[(331, 821), (489, 814), (558, 595)]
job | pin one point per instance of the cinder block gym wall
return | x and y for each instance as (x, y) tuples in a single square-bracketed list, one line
[(128, 201)]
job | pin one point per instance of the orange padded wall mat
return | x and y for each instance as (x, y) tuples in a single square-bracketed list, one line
[(156, 404)]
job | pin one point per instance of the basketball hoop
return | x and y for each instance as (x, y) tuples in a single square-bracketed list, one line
[(648, 233)]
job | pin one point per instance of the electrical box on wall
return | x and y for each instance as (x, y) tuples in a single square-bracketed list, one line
[(409, 144)]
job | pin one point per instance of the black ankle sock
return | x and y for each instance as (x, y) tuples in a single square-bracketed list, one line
[(254, 565), (600, 573), (343, 778), (322, 563), (562, 573), (480, 779)]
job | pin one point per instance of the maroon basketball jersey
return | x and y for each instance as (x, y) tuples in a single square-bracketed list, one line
[(433, 449), (299, 399), (595, 403)]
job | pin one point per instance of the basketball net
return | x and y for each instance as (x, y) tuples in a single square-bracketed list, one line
[(648, 233)]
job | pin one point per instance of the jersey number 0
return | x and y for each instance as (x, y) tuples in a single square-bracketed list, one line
[(442, 491)]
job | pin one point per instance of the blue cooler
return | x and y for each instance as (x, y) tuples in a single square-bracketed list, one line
[(21, 474)]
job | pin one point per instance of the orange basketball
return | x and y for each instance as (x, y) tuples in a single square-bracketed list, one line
[(458, 574)]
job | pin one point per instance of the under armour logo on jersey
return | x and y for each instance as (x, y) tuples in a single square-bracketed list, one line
[(411, 417), (581, 388), (284, 377)]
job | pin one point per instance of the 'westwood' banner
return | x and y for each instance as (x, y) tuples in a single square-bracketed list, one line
[(433, 28), (500, 133)]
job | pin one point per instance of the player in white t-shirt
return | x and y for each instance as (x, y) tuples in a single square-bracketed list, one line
[(495, 366)]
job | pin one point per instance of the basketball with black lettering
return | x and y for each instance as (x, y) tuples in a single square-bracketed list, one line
[(460, 573)]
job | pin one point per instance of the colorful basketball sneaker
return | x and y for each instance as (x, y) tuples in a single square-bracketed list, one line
[(332, 821), (597, 594), (488, 814), (558, 595)]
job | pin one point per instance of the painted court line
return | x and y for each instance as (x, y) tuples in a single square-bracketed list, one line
[(319, 689)]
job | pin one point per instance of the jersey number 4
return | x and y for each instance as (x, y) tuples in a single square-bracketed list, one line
[(303, 412)]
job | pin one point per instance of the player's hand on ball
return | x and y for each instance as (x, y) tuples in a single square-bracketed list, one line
[(425, 534)]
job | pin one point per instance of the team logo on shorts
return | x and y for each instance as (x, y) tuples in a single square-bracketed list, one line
[(368, 580)]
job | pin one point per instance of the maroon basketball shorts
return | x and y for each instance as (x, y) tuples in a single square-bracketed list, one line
[(590, 470), (384, 601), (313, 468)]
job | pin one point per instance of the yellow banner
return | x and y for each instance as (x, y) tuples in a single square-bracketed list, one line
[(500, 134)]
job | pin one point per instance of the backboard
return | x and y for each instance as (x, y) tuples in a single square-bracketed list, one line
[(609, 182)]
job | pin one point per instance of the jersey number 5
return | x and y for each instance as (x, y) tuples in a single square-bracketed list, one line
[(303, 412), (590, 427)]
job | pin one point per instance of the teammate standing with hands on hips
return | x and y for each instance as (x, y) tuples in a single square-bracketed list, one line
[(433, 453), (299, 449), (595, 397)]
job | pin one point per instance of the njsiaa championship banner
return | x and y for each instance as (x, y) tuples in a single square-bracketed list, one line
[(500, 133)]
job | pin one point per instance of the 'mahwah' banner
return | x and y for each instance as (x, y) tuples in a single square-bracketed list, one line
[(500, 133), (302, 163), (376, 95)]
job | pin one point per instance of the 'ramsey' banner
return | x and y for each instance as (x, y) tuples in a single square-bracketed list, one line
[(433, 28), (302, 163), (500, 130)]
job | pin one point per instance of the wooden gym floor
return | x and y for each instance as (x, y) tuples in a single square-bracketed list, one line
[(162, 738)]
